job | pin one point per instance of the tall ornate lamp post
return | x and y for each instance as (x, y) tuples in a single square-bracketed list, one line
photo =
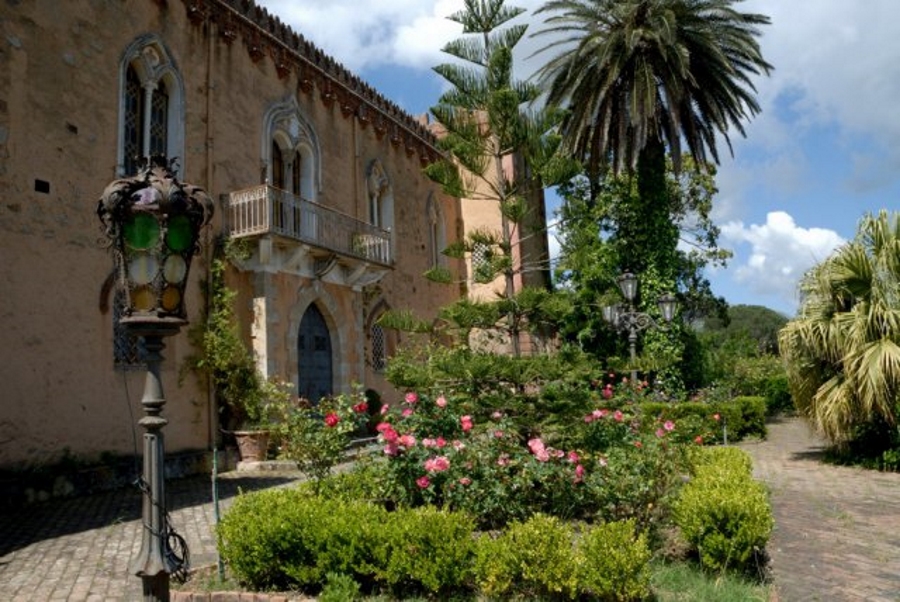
[(152, 223), (627, 319)]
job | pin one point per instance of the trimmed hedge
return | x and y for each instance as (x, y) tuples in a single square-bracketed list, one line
[(287, 538), (744, 416), (722, 512)]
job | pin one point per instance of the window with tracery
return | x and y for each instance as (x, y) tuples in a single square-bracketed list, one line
[(151, 89), (379, 348)]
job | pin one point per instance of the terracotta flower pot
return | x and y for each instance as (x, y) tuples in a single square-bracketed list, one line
[(252, 445)]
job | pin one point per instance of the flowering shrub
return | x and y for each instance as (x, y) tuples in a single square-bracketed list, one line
[(437, 456), (317, 435)]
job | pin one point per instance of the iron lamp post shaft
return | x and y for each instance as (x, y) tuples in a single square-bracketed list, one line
[(152, 564)]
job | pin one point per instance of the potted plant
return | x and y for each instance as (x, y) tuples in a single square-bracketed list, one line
[(247, 402)]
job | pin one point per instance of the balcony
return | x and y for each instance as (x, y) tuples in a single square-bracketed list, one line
[(297, 235)]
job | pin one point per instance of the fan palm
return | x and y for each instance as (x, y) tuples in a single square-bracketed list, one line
[(638, 74), (843, 350)]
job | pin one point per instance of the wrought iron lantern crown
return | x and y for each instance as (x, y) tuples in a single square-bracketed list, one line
[(152, 223)]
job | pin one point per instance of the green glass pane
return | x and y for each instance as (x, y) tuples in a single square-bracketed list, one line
[(179, 235), (141, 231)]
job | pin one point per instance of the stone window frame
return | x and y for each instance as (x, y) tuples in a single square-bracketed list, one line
[(287, 133), (150, 61), (437, 232)]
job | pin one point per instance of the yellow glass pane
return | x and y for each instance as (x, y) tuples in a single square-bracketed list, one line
[(142, 299), (171, 298)]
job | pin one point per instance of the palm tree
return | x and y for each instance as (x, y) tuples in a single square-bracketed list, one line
[(843, 350), (638, 74)]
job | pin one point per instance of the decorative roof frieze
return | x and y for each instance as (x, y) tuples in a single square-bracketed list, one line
[(264, 35)]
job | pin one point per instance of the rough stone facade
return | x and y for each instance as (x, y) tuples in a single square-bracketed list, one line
[(234, 83)]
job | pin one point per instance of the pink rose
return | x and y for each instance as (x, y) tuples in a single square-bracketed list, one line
[(698, 440), (441, 402), (458, 445), (407, 412), (332, 419), (390, 435), (660, 433), (619, 416), (437, 464), (535, 445), (440, 443), (579, 473), (607, 393), (465, 481), (428, 442), (669, 425), (411, 397), (498, 434), (384, 409), (407, 441), (503, 460), (573, 457), (391, 449), (361, 407), (497, 415), (466, 423), (423, 482)]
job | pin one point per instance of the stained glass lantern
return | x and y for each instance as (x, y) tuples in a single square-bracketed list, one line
[(153, 222)]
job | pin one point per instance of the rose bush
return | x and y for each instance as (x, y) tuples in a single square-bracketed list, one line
[(497, 473)]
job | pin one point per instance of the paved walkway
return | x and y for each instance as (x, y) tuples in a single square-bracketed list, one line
[(837, 529), (81, 549), (837, 536)]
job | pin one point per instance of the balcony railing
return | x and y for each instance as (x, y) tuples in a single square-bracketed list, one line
[(267, 210)]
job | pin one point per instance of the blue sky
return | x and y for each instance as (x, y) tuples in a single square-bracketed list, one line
[(824, 151)]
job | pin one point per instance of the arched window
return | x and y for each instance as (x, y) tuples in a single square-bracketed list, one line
[(379, 348), (151, 112), (437, 241), (381, 342), (291, 151), (381, 196)]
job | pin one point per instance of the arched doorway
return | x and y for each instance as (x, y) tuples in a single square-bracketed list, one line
[(314, 370)]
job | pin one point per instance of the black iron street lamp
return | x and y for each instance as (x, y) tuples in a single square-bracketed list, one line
[(152, 223), (627, 319)]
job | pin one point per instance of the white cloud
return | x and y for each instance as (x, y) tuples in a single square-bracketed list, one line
[(837, 67), (371, 33), (780, 253)]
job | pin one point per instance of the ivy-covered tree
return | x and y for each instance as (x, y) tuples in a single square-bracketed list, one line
[(597, 232), (498, 148)]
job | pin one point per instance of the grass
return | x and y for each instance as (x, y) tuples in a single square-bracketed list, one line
[(684, 581)]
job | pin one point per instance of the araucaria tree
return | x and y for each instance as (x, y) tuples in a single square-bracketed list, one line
[(497, 147), (843, 350), (638, 78)]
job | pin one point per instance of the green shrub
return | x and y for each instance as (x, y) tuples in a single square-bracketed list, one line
[(778, 395), (534, 559), (721, 458), (613, 562), (723, 513), (279, 539), (427, 548), (753, 416), (263, 535)]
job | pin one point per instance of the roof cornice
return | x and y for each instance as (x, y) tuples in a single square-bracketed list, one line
[(265, 36)]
